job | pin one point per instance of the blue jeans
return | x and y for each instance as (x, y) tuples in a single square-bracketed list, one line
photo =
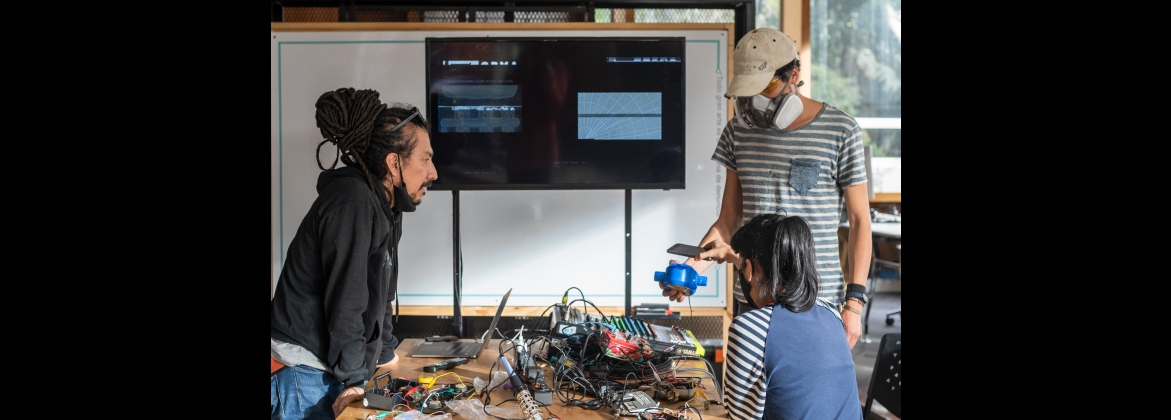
[(304, 393)]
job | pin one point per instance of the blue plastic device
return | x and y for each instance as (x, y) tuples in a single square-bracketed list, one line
[(681, 277)]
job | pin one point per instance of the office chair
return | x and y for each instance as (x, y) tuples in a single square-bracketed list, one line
[(886, 382), (891, 321)]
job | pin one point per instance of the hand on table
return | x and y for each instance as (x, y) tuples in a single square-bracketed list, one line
[(355, 393), (349, 395)]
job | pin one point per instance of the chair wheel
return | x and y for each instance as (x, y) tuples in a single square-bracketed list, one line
[(890, 321)]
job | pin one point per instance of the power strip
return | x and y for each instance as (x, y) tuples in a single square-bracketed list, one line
[(535, 376)]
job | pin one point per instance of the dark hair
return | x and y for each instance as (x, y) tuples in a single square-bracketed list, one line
[(361, 127), (783, 248), (786, 71)]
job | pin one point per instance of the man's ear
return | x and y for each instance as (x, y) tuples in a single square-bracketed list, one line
[(797, 83), (391, 160)]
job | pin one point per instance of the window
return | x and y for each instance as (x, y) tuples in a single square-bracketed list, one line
[(856, 64)]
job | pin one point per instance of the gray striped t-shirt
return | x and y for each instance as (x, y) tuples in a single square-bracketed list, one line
[(799, 172)]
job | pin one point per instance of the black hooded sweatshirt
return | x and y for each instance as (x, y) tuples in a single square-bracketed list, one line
[(339, 278)]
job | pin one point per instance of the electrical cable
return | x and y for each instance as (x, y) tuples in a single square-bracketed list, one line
[(547, 310), (603, 315), (566, 296), (582, 368), (710, 372)]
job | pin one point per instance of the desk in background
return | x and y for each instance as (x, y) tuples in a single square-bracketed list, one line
[(882, 233), (412, 368)]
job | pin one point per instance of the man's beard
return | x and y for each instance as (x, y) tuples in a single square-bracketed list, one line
[(418, 201)]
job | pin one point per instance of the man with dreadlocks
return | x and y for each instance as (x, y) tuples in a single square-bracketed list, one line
[(330, 317)]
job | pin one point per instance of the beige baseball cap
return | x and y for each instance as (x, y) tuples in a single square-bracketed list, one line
[(758, 55)]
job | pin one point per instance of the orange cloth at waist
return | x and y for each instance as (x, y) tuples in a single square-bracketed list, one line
[(276, 365)]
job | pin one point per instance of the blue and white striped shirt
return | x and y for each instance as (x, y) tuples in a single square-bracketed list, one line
[(787, 365), (799, 172)]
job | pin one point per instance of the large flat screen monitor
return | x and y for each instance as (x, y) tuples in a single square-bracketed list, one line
[(556, 113)]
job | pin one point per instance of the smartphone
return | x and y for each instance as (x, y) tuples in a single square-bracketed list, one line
[(686, 250)]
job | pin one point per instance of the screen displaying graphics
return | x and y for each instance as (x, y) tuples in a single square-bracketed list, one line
[(557, 112), (620, 116), (476, 109)]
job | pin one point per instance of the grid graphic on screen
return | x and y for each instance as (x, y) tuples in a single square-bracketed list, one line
[(620, 116)]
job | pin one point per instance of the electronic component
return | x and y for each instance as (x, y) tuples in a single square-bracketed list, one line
[(524, 359), (438, 396), (395, 392), (445, 364), (674, 389), (633, 402), (673, 341), (537, 386), (687, 250), (619, 346), (563, 313), (664, 413), (528, 405), (565, 329)]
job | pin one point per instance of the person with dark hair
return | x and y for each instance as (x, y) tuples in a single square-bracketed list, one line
[(786, 358), (787, 153), (330, 318)]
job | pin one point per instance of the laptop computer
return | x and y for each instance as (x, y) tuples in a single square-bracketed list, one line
[(452, 349)]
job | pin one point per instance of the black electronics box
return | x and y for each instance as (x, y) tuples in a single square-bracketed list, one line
[(380, 397)]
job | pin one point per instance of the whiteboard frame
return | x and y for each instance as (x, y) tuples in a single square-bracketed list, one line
[(659, 218)]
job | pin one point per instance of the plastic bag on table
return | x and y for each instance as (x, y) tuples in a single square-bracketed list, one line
[(509, 412), (498, 377), (472, 409)]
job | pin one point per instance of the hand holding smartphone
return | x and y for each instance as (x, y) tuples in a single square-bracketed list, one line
[(686, 250)]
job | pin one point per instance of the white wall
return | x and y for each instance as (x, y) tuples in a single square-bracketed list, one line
[(540, 243)]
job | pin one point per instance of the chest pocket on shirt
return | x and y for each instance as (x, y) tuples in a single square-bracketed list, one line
[(803, 174)]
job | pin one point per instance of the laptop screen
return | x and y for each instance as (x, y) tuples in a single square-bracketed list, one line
[(496, 319), (462, 349)]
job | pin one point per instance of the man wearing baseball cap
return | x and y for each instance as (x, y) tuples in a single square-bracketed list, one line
[(789, 154)]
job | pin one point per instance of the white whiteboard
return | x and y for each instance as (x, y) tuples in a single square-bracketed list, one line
[(539, 243)]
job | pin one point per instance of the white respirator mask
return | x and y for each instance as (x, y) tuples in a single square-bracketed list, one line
[(758, 111)]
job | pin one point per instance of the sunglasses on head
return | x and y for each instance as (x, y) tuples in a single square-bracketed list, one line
[(414, 113)]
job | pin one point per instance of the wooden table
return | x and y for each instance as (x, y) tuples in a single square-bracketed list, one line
[(412, 368)]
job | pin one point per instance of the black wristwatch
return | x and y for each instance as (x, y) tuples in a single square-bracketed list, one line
[(856, 295), (856, 291)]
